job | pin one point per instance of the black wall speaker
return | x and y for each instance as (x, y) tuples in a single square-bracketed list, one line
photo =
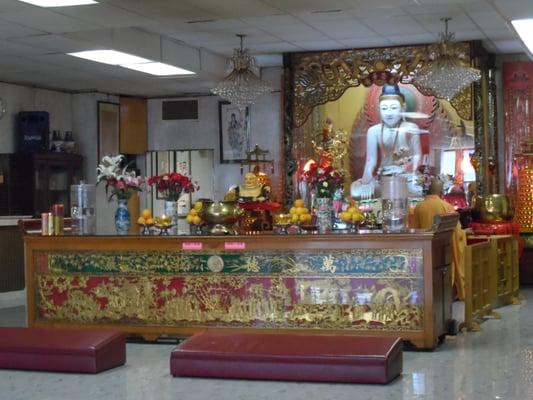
[(32, 130)]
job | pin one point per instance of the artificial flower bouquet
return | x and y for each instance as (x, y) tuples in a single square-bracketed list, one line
[(171, 185), (323, 177), (119, 182)]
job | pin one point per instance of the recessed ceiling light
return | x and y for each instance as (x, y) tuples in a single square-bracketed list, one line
[(159, 69), (59, 3), (524, 28), (111, 57)]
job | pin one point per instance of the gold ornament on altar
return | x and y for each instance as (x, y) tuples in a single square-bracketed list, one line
[(332, 144)]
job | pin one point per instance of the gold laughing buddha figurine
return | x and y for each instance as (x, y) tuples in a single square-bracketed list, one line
[(251, 190)]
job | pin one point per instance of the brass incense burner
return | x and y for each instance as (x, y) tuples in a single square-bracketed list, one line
[(493, 208), (221, 216)]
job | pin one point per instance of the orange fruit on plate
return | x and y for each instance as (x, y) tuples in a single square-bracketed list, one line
[(190, 218), (146, 213), (193, 212), (149, 221), (141, 221), (196, 220), (299, 203)]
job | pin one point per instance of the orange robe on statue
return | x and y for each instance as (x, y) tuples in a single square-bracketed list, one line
[(423, 219)]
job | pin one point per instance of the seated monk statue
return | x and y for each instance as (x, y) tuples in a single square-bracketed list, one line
[(251, 190), (397, 142)]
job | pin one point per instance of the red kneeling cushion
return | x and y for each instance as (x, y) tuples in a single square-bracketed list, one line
[(61, 350), (299, 357)]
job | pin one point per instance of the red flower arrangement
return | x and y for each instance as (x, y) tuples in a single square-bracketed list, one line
[(323, 177), (172, 184)]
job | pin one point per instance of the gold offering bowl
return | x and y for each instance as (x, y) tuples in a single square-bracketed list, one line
[(281, 222), (282, 219), (221, 216), (493, 208)]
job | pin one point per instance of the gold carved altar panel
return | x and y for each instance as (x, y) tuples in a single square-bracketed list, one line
[(362, 289)]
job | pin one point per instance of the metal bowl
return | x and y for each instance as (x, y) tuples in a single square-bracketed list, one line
[(493, 208), (221, 215)]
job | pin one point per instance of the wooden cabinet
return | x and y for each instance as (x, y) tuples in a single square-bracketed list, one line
[(46, 179)]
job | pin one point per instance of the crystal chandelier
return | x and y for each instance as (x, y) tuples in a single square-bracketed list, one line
[(445, 76), (243, 85)]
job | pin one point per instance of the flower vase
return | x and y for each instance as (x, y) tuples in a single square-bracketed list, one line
[(122, 217), (171, 212), (324, 214)]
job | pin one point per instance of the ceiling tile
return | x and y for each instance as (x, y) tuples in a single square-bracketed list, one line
[(165, 10), (237, 8), (440, 10), (366, 13), (424, 38), (343, 29), (272, 20), (270, 48), (509, 46), (319, 45), (500, 34), (10, 30), (313, 17), (515, 9), (55, 43), (309, 5), (47, 21), (432, 22), (399, 25), (105, 15), (487, 19), (18, 49), (469, 35), (361, 43)]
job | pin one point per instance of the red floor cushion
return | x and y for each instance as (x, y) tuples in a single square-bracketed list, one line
[(295, 357), (65, 350)]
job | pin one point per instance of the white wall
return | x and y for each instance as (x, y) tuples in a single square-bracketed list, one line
[(266, 126), (18, 98)]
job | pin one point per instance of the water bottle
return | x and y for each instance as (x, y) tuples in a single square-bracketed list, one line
[(83, 209), (394, 203)]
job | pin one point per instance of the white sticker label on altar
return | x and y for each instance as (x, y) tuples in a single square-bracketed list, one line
[(192, 245), (234, 245)]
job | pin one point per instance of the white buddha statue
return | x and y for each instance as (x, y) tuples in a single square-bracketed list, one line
[(397, 142)]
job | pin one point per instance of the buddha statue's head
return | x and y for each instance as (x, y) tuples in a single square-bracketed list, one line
[(251, 181), (391, 105)]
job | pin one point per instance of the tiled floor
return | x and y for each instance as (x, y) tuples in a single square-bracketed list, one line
[(496, 363)]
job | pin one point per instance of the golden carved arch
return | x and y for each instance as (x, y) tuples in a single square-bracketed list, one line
[(320, 77)]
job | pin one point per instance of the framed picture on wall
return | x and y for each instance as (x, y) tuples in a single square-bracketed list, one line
[(108, 128), (234, 125)]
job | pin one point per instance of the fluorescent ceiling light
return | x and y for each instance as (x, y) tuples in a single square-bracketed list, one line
[(59, 3), (111, 57), (125, 60), (159, 69), (524, 28)]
